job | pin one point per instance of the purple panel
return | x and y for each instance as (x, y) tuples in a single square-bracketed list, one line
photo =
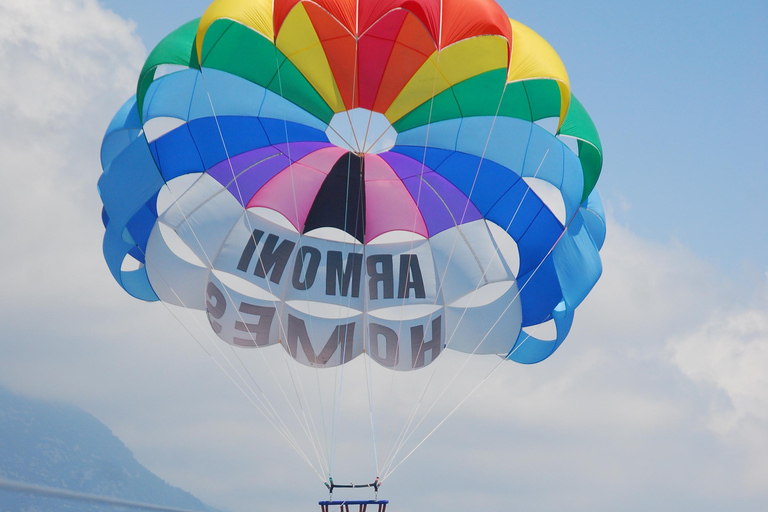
[(404, 166), (441, 204), (255, 168)]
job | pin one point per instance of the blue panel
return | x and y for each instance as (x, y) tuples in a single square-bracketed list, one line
[(140, 226), (516, 209), (539, 293), (280, 132), (540, 237), (240, 134), (486, 186), (129, 182), (431, 157), (176, 153)]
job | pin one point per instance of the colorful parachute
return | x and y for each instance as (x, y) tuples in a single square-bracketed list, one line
[(407, 179), (349, 176)]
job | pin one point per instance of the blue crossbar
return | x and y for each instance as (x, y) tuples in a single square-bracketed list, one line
[(362, 504)]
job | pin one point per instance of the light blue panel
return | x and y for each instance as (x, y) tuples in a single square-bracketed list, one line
[(531, 350), (122, 130), (277, 107), (474, 135), (134, 282), (573, 181), (509, 142), (441, 135), (577, 262), (540, 142), (230, 95), (235, 96), (169, 96), (594, 218)]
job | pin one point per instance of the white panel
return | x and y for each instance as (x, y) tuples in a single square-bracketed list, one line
[(488, 321), (321, 342), (506, 246), (240, 257), (466, 258), (203, 216), (361, 131), (174, 280), (402, 342), (240, 319)]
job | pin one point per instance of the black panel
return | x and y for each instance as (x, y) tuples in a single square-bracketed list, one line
[(340, 203)]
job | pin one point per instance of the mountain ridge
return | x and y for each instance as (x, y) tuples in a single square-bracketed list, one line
[(62, 447)]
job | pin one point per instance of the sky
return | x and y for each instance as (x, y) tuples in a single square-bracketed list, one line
[(658, 399)]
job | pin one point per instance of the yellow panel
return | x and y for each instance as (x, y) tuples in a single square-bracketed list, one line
[(299, 42), (255, 14), (448, 67), (533, 57)]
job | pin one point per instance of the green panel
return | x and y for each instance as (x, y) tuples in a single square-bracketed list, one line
[(476, 96), (481, 95), (442, 107), (544, 98), (177, 48), (579, 125), (529, 100), (243, 52), (515, 102)]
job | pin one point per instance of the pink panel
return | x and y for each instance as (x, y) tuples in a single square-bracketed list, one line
[(388, 204), (292, 191)]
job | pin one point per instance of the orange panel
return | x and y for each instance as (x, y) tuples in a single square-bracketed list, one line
[(413, 47), (340, 50)]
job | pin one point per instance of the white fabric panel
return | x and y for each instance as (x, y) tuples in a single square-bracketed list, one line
[(361, 131), (174, 280), (202, 216), (470, 320), (240, 319), (275, 247), (399, 274), (399, 341), (327, 271), (466, 258), (321, 342)]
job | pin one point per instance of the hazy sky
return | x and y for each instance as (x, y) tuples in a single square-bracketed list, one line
[(657, 401)]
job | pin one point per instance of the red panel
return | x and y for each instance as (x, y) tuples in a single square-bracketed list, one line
[(427, 11), (463, 19), (374, 49), (340, 50), (413, 47)]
